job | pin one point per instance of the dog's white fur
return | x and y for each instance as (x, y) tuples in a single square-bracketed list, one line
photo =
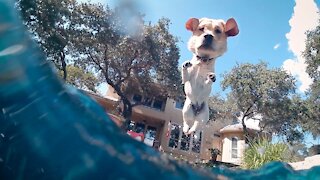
[(198, 74)]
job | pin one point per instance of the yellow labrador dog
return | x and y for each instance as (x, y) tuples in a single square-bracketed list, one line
[(207, 43)]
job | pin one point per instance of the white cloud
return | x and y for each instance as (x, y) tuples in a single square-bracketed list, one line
[(304, 18), (275, 47), (298, 68)]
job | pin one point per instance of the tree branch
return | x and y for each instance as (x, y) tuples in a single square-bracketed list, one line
[(248, 109), (128, 73), (96, 62), (105, 58)]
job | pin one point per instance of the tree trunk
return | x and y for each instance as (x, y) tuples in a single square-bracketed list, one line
[(127, 106), (245, 130), (63, 65), (126, 113)]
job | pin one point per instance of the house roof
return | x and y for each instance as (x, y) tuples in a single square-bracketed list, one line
[(112, 98), (238, 128)]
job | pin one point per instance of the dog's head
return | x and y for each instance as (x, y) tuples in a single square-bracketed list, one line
[(209, 36)]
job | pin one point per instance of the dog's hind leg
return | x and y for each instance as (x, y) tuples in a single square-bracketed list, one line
[(187, 115), (185, 128), (200, 120)]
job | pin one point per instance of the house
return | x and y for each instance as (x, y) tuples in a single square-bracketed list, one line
[(233, 141), (159, 121)]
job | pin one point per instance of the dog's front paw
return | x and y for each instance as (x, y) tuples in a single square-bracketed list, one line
[(212, 77), (186, 65)]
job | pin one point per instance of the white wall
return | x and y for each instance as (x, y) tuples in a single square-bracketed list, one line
[(227, 149)]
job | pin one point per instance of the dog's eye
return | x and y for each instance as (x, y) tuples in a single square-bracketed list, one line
[(201, 29), (218, 31)]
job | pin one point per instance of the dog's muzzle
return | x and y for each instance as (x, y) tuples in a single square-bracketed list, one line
[(208, 38), (207, 41), (197, 108)]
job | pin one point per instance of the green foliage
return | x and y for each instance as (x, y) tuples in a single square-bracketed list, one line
[(130, 58), (126, 61), (258, 90), (262, 152), (221, 109), (81, 79), (118, 48), (49, 23), (312, 54), (311, 119), (312, 103)]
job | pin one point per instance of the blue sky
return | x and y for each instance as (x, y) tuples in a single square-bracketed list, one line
[(272, 31)]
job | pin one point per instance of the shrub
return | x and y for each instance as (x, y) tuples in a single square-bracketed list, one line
[(262, 152)]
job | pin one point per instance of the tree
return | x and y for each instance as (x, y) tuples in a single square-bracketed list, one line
[(80, 78), (142, 60), (311, 115), (221, 109), (48, 21), (129, 58), (312, 56), (311, 120), (261, 92)]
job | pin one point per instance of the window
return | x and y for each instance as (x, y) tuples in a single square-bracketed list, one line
[(185, 142), (174, 136), (197, 143), (137, 98), (147, 101), (139, 128), (157, 104), (182, 141), (234, 147), (179, 104), (136, 127), (150, 136), (131, 126)]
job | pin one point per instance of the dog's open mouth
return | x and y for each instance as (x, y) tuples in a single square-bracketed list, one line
[(206, 46), (207, 42)]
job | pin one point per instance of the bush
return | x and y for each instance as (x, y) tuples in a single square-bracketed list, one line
[(262, 152)]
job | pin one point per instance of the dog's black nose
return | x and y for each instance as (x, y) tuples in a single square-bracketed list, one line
[(208, 38)]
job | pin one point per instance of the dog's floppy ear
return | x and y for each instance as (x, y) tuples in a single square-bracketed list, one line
[(231, 27), (192, 24)]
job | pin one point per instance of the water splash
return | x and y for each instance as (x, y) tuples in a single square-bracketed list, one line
[(51, 131)]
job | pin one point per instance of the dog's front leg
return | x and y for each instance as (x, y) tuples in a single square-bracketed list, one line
[(194, 127), (184, 73)]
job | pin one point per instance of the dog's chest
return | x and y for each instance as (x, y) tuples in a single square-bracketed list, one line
[(199, 75)]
